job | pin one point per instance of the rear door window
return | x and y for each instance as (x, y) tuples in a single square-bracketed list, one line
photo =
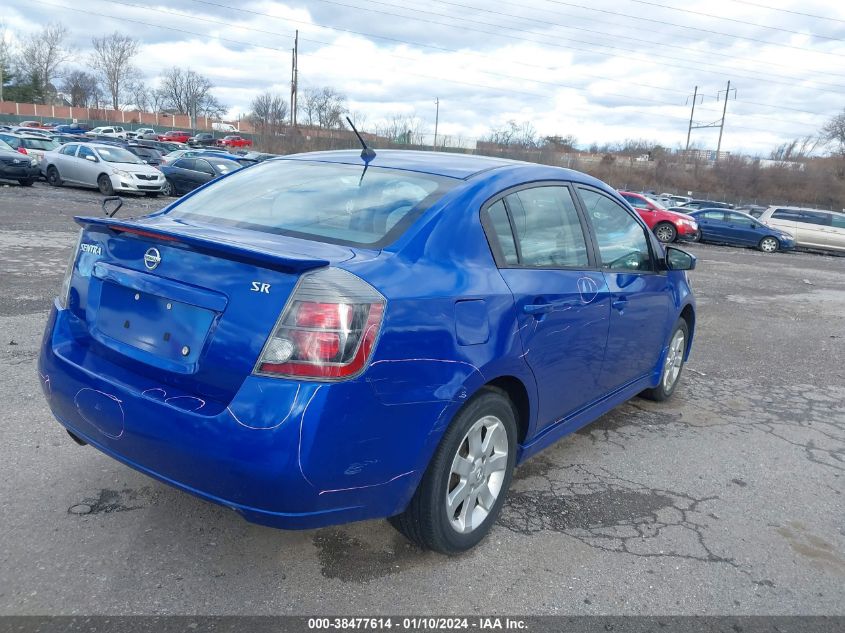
[(815, 217), (501, 227), (837, 221), (548, 230)]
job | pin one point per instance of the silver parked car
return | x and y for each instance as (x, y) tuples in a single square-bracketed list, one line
[(107, 167), (812, 228)]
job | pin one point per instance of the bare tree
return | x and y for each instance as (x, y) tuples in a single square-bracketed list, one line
[(82, 89), (407, 129), (112, 60), (323, 107), (268, 113), (41, 55), (516, 135), (797, 149), (138, 94), (833, 133), (189, 93)]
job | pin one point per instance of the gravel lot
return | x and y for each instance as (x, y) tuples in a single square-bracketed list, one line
[(726, 500)]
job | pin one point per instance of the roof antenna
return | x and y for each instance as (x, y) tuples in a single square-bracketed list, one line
[(368, 153)]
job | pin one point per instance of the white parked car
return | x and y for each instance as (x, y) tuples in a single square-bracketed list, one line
[(145, 132), (217, 126), (30, 144), (114, 131), (106, 167)]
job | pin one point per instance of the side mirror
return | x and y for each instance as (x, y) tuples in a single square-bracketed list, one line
[(676, 259), (93, 159)]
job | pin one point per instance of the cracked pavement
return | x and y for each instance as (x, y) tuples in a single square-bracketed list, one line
[(725, 500)]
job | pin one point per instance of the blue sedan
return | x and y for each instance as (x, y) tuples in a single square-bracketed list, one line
[(330, 337), (740, 229)]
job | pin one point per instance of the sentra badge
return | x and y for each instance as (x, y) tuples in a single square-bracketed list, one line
[(94, 249)]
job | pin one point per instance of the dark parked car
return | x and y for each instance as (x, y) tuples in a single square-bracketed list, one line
[(705, 204), (321, 339), (186, 174), (203, 139), (726, 226), (17, 166), (147, 154)]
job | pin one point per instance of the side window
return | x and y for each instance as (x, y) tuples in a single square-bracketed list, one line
[(736, 218), (502, 228), (623, 244), (784, 214), (809, 217), (85, 151), (547, 228), (837, 221), (69, 150), (185, 163), (713, 215), (204, 167)]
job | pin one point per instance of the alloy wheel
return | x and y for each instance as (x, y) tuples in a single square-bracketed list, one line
[(477, 474), (674, 360), (665, 233)]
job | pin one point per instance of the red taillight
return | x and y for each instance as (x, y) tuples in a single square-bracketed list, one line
[(328, 329), (22, 150)]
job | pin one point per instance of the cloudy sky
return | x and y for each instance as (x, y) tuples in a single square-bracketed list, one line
[(601, 70)]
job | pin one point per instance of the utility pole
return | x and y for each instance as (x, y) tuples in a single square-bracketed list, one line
[(724, 111), (691, 114), (436, 119), (1, 81), (294, 76)]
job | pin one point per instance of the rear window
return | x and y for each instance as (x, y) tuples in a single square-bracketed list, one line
[(37, 143), (323, 201)]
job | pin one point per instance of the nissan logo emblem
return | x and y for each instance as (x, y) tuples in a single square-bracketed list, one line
[(152, 258)]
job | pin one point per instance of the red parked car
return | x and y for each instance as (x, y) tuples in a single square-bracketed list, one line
[(174, 136), (234, 141), (666, 225)]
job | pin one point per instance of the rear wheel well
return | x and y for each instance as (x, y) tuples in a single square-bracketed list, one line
[(516, 392)]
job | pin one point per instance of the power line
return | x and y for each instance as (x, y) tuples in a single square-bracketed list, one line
[(404, 71), (808, 15), (650, 59), (743, 22), (691, 28)]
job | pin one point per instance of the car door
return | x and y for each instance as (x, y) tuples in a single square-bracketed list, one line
[(560, 296), (712, 225), (814, 229), (180, 174), (742, 230), (86, 166), (837, 233), (65, 162), (640, 295)]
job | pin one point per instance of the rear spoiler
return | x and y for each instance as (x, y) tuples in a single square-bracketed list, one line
[(293, 262)]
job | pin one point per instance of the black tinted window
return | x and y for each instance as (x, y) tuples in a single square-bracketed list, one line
[(623, 244), (786, 214), (810, 217), (185, 163), (547, 228), (502, 228)]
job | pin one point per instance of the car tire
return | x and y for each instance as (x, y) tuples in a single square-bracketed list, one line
[(104, 185), (481, 443), (665, 232), (53, 177), (26, 182), (151, 194), (769, 244), (673, 364), (168, 189)]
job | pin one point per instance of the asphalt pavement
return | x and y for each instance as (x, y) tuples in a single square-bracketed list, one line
[(725, 500)]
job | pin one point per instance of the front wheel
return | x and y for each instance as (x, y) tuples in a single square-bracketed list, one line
[(769, 245), (665, 232), (465, 484), (673, 364), (105, 186), (168, 189)]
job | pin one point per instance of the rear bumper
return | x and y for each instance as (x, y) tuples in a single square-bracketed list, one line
[(280, 453), (687, 234)]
